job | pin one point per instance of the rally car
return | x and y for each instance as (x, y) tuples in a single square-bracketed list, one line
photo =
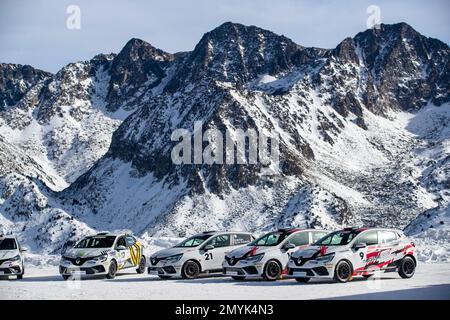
[(202, 253), (267, 256), (11, 257), (355, 252), (103, 254)]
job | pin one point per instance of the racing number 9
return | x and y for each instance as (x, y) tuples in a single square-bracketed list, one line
[(361, 255)]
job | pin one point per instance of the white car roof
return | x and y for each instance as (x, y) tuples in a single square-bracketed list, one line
[(9, 236)]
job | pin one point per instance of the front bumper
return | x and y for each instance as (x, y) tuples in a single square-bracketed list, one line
[(67, 268), (243, 269), (165, 269), (11, 268), (310, 269)]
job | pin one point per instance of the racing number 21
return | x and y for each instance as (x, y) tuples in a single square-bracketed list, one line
[(208, 256)]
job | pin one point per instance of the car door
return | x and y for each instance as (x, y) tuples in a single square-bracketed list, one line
[(123, 254), (212, 259), (299, 239), (388, 245), (134, 251), (367, 257)]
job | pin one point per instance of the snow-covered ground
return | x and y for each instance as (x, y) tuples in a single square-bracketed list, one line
[(431, 281)]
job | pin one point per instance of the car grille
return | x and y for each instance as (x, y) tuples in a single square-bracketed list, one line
[(78, 261), (233, 260)]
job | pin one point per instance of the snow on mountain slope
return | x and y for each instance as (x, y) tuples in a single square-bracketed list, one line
[(65, 121), (363, 136)]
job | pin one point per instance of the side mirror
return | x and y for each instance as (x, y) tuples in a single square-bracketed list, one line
[(23, 250), (120, 248), (289, 246), (360, 245), (208, 247)]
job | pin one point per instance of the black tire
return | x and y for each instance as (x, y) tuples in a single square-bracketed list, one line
[(112, 271), (19, 276), (165, 277), (142, 265), (367, 276), (65, 276), (190, 270), (238, 278), (343, 271), (272, 270), (302, 280), (407, 267)]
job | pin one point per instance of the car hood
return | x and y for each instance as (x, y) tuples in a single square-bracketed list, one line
[(172, 251), (82, 253), (8, 254), (251, 250), (317, 250)]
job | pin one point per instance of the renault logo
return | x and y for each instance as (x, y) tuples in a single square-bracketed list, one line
[(77, 261)]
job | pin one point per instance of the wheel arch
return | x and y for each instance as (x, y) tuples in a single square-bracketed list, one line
[(272, 259), (412, 257), (193, 260)]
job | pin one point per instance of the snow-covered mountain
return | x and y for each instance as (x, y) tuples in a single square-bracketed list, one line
[(364, 136)]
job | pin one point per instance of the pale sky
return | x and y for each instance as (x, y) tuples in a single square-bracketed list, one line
[(34, 31)]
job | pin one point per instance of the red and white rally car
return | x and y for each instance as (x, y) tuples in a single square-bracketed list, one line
[(354, 252)]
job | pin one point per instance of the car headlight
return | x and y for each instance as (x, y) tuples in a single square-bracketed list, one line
[(101, 258), (16, 258), (175, 258), (255, 258), (325, 258)]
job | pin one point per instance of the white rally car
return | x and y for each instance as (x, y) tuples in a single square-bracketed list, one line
[(355, 252), (202, 253), (103, 254), (11, 257), (268, 256)]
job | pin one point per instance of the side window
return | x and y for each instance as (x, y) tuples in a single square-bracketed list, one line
[(121, 242), (369, 238), (239, 239), (130, 241), (220, 241), (387, 236), (299, 239), (316, 236)]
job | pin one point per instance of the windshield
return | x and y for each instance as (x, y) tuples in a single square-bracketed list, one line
[(96, 242), (194, 241), (338, 238), (8, 244), (270, 239)]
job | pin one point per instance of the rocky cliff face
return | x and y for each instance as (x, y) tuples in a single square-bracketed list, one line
[(352, 124)]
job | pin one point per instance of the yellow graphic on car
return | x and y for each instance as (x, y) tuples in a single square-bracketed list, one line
[(135, 253)]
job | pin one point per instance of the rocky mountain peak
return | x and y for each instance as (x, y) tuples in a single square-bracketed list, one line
[(138, 64), (16, 80), (237, 53)]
